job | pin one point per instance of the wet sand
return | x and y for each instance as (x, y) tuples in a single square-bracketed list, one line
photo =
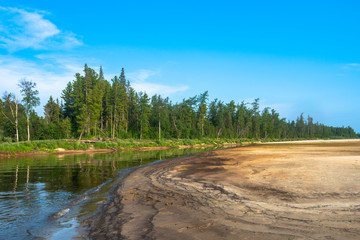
[(307, 190)]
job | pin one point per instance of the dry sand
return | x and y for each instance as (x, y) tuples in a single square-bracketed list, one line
[(307, 190)]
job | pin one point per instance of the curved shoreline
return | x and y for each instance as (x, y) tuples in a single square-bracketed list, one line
[(111, 150), (61, 151), (256, 192)]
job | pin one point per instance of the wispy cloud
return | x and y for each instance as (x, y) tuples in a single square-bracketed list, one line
[(51, 76), (286, 110), (22, 29), (352, 66), (141, 75), (141, 81), (154, 88)]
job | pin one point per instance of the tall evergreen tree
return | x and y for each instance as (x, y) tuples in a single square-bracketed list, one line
[(144, 114), (256, 118), (52, 111), (133, 112), (202, 110)]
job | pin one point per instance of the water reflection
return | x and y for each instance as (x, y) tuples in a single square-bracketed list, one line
[(33, 189)]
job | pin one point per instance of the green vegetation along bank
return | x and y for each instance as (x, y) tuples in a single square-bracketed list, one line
[(60, 146), (89, 146)]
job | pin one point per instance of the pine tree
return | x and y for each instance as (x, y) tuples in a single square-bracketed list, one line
[(144, 112), (52, 111), (202, 110), (256, 118), (133, 112), (123, 109), (101, 74), (265, 123), (229, 116), (240, 120)]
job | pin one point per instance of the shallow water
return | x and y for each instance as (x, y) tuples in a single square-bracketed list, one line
[(48, 196)]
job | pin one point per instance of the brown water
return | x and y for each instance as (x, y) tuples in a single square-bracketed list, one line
[(48, 196)]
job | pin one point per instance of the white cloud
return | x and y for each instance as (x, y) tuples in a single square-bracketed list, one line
[(154, 88), (22, 29), (141, 75), (52, 72), (51, 78), (140, 82)]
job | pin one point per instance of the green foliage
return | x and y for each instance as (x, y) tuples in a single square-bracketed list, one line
[(30, 98), (94, 108)]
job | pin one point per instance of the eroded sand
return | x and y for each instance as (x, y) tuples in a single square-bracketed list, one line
[(268, 191)]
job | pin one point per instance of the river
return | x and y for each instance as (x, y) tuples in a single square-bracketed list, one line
[(47, 197)]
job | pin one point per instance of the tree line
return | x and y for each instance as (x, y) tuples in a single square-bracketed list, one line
[(93, 107)]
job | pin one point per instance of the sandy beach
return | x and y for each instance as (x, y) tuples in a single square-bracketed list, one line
[(295, 190)]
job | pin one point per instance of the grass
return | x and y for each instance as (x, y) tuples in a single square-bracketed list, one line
[(120, 144), (50, 146)]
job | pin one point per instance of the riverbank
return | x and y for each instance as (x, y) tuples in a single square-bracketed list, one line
[(65, 147), (306, 190)]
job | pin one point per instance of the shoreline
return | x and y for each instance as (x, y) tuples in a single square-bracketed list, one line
[(4, 155), (260, 192), (61, 151)]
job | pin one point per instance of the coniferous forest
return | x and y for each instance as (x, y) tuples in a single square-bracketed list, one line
[(93, 107)]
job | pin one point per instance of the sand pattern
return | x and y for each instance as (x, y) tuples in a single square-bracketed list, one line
[(306, 190)]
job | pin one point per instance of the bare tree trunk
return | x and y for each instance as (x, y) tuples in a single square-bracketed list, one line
[(202, 127), (81, 133), (219, 133), (14, 115), (28, 127), (159, 127), (102, 121), (141, 128), (95, 128), (118, 130), (177, 130), (16, 120), (122, 120), (127, 122), (86, 128), (111, 125), (114, 124)]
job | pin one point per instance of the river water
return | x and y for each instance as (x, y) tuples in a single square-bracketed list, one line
[(47, 197)]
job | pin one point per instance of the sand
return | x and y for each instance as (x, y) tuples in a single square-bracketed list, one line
[(302, 190)]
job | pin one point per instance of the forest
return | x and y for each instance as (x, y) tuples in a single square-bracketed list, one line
[(92, 107)]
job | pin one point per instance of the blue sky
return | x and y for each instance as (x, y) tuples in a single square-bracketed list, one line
[(296, 56)]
